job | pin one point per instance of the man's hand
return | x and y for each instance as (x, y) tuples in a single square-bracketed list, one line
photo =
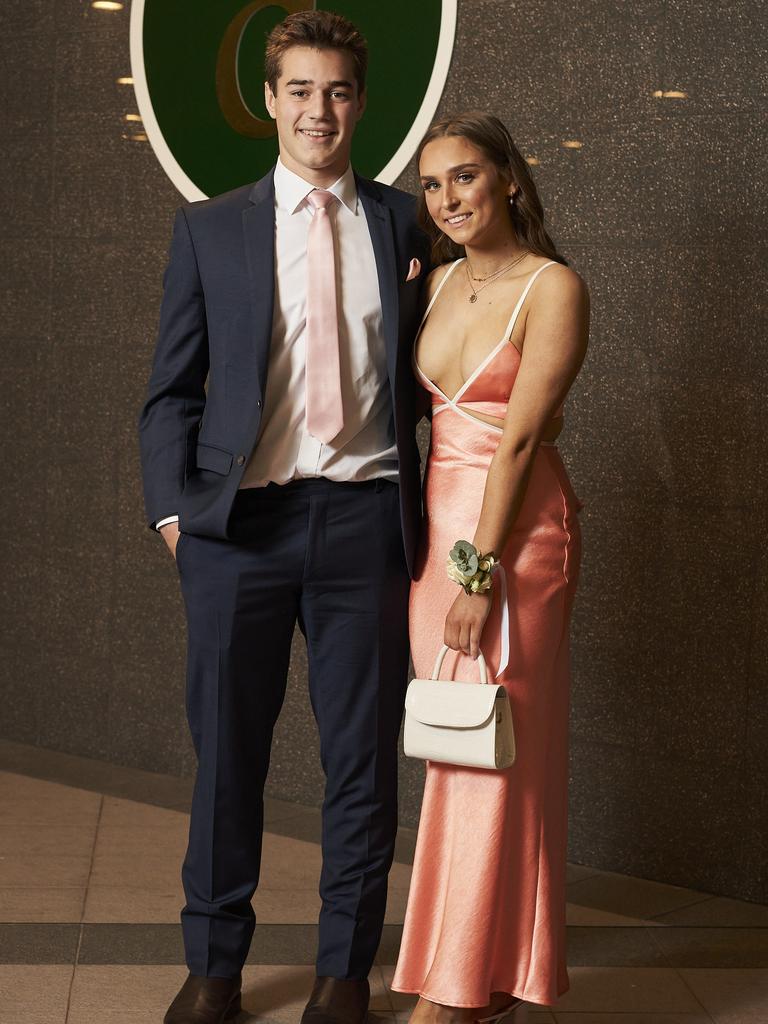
[(170, 534), (464, 622)]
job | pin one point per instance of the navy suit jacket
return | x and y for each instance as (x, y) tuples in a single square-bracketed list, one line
[(205, 399)]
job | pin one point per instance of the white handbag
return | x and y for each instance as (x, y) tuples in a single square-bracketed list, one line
[(459, 723)]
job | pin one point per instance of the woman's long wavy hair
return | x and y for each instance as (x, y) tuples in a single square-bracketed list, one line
[(526, 213)]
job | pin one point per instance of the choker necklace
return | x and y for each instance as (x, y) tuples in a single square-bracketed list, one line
[(491, 277)]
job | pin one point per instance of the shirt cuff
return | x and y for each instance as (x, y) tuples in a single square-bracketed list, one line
[(163, 522)]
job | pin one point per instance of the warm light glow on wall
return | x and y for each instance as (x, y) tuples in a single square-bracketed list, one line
[(133, 117), (135, 137), (125, 80), (571, 144), (670, 94), (107, 5)]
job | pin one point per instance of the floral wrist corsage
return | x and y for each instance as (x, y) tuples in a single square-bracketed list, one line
[(471, 570)]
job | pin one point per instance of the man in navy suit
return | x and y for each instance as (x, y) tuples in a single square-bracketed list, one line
[(271, 525)]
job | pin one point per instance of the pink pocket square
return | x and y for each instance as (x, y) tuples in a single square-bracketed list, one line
[(414, 270)]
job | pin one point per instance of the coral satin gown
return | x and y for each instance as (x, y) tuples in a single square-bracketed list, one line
[(486, 909)]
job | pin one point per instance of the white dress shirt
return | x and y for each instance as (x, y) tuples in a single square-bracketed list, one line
[(365, 448)]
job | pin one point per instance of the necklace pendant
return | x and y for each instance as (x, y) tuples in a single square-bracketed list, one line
[(473, 297)]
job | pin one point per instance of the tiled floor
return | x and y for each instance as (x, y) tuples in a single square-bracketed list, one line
[(90, 895)]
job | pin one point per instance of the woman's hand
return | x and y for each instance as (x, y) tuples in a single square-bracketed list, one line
[(464, 622)]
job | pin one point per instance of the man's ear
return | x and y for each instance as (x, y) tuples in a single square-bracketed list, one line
[(361, 102), (269, 100)]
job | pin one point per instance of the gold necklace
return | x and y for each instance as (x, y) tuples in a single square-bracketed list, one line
[(491, 277)]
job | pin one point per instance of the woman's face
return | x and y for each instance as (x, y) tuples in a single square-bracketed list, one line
[(466, 195)]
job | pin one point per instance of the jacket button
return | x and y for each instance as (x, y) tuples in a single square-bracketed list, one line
[(240, 460)]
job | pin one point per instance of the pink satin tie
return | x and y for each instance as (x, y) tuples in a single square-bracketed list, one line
[(325, 414)]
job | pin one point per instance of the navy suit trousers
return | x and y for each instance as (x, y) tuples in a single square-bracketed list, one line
[(330, 556)]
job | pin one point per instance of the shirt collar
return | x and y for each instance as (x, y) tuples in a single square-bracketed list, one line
[(291, 190)]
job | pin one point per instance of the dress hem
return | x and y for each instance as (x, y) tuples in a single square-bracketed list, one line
[(470, 1006)]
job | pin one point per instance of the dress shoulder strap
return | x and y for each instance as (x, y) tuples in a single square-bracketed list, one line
[(439, 288), (521, 300)]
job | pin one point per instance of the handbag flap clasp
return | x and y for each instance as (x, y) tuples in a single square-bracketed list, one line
[(451, 704)]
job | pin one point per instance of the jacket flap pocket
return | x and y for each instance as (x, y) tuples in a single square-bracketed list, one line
[(216, 459), (450, 704)]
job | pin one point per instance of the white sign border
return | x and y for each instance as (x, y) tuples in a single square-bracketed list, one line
[(387, 175)]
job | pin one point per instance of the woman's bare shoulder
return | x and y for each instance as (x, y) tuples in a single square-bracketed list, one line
[(560, 308), (562, 284), (436, 277)]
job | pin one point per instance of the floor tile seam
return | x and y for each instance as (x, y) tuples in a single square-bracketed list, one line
[(700, 897), (593, 872), (705, 898), (70, 987), (655, 944), (90, 874), (704, 1010), (676, 910)]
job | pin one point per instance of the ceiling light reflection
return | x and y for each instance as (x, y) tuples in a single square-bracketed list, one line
[(107, 5), (571, 144), (532, 161), (670, 94), (125, 80)]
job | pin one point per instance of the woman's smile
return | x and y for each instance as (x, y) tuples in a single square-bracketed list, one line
[(457, 219)]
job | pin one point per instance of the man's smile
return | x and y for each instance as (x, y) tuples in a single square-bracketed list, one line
[(316, 133)]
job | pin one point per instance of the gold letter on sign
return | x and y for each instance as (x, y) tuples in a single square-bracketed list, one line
[(233, 106)]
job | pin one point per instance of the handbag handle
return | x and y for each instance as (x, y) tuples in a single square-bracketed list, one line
[(441, 657)]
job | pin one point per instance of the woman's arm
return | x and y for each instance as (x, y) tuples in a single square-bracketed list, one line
[(555, 345), (554, 349)]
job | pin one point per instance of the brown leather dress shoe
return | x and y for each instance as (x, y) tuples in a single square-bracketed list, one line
[(337, 1001), (204, 1000)]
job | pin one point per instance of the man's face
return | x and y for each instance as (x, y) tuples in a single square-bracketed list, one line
[(316, 107)]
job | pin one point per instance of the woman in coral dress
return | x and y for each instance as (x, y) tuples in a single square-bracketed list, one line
[(502, 340)]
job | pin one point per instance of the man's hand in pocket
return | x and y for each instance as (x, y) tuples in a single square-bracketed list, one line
[(171, 533)]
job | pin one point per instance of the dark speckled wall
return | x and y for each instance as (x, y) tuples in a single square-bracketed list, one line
[(662, 209)]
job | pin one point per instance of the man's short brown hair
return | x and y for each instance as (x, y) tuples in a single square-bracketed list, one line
[(321, 30)]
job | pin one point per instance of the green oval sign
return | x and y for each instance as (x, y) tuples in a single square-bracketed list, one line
[(198, 71)]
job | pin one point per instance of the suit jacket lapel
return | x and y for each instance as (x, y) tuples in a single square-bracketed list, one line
[(259, 232), (379, 219)]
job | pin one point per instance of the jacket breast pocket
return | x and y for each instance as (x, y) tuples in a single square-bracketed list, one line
[(217, 460)]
